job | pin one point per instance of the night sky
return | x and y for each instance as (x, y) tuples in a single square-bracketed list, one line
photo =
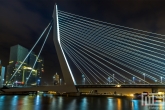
[(22, 22)]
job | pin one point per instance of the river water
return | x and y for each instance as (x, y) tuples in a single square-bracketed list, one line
[(49, 102)]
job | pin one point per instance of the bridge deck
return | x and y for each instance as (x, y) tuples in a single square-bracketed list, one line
[(66, 88), (123, 86), (58, 88)]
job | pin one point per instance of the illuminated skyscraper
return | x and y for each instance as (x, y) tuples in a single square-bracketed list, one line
[(56, 79), (2, 74), (40, 68), (17, 55)]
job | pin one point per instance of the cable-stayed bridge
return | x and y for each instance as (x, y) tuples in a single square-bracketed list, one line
[(94, 53)]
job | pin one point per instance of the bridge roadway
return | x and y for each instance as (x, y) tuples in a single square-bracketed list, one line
[(123, 86), (67, 88)]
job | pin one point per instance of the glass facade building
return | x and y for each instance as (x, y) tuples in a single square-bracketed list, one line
[(17, 55), (2, 74)]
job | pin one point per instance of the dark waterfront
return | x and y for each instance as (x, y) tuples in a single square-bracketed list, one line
[(37, 102)]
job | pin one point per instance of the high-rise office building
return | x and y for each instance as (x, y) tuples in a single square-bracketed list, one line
[(17, 55), (26, 74), (2, 74), (40, 68), (56, 79)]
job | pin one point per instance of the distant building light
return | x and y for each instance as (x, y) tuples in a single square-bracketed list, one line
[(118, 85), (11, 61)]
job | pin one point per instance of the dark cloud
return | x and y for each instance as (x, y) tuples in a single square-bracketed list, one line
[(22, 21)]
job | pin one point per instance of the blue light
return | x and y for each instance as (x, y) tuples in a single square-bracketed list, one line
[(14, 100), (135, 104), (84, 104)]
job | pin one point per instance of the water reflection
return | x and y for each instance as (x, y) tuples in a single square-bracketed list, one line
[(119, 104), (18, 102), (84, 104), (135, 104), (110, 104), (14, 100), (72, 105), (2, 98), (37, 103), (60, 102)]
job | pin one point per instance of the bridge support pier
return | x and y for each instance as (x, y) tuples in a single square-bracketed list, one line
[(154, 90)]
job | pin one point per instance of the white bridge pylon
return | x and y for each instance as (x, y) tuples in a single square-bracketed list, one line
[(69, 80)]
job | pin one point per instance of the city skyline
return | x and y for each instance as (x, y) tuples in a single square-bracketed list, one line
[(27, 73), (140, 15), (82, 54)]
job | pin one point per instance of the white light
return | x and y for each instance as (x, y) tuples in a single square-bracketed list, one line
[(61, 47)]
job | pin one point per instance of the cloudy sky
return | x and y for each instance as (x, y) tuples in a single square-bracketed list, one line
[(22, 21)]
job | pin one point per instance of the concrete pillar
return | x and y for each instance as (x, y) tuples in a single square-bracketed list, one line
[(154, 90)]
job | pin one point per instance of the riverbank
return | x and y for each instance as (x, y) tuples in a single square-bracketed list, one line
[(67, 95)]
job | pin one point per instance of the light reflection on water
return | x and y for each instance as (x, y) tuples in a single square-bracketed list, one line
[(20, 102), (84, 103)]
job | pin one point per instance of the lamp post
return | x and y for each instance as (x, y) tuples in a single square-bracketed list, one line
[(161, 79), (124, 81), (60, 81), (16, 83), (2, 81), (113, 78), (108, 80), (54, 80), (38, 82), (26, 81), (133, 78), (84, 80), (144, 77)]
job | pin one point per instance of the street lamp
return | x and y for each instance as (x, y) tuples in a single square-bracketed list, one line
[(38, 82), (124, 81), (26, 81), (144, 77), (54, 80), (16, 83), (2, 81), (133, 79), (60, 81), (84, 81), (108, 80), (113, 78), (161, 79)]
